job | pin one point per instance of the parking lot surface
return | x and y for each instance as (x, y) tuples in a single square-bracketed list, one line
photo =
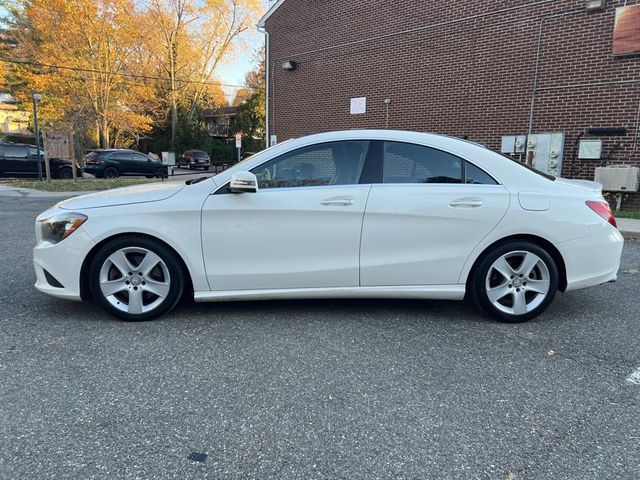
[(314, 389)]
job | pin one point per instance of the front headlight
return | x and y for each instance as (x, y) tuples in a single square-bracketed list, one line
[(57, 227)]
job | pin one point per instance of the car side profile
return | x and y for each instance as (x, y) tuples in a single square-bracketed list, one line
[(192, 159), (19, 160), (354, 214), (113, 163)]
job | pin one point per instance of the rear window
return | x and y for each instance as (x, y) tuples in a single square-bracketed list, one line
[(532, 169), (200, 156)]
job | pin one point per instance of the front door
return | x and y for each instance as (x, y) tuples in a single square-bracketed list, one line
[(300, 230), (425, 218)]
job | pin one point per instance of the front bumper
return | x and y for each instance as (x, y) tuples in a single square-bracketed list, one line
[(592, 260), (63, 261)]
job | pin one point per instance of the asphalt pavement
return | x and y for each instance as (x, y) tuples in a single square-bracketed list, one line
[(344, 389)]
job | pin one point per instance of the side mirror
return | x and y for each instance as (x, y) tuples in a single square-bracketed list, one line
[(243, 182)]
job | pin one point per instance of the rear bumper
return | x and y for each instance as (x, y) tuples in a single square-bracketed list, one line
[(93, 170), (592, 260)]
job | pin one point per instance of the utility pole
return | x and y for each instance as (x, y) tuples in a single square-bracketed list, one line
[(36, 98)]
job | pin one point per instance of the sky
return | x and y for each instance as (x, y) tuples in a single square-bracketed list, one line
[(234, 71)]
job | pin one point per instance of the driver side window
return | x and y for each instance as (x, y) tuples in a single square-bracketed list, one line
[(335, 163)]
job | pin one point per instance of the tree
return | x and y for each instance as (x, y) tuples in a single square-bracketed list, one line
[(250, 119), (195, 36), (81, 55)]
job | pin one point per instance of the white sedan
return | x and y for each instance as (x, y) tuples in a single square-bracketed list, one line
[(366, 214)]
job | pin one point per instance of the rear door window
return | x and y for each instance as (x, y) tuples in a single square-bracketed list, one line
[(477, 176), (120, 156), (139, 157), (410, 163)]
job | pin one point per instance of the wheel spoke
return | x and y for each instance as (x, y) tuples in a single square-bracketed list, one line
[(502, 266), (113, 286), (538, 286), (120, 261), (499, 292), (149, 261), (160, 289), (528, 263), (519, 303), (135, 301)]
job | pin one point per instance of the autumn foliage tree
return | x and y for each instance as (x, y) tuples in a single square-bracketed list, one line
[(119, 68)]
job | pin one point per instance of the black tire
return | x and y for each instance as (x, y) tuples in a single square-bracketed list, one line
[(176, 278), (65, 173), (111, 172), (480, 281)]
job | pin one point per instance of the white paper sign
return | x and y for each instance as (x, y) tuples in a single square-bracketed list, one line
[(590, 150), (273, 141), (358, 106), (238, 140)]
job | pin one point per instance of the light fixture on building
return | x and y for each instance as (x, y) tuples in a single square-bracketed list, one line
[(290, 65), (595, 5)]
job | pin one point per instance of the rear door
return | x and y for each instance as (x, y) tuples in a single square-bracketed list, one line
[(426, 216), (123, 162)]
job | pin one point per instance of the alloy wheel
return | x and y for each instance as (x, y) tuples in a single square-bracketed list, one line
[(134, 280), (518, 282)]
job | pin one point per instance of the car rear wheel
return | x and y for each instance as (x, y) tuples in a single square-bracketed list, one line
[(65, 173), (515, 282), (136, 278), (111, 172)]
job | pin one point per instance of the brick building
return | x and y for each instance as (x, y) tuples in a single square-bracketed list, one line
[(484, 70)]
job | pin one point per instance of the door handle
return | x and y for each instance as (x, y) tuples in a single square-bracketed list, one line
[(466, 203), (337, 202)]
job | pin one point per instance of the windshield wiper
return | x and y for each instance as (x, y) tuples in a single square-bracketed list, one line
[(193, 181)]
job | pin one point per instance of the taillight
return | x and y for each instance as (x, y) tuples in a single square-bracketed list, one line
[(604, 210)]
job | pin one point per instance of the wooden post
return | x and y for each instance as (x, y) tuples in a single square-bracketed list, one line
[(72, 157)]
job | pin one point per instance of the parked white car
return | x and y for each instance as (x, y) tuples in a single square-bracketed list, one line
[(345, 214)]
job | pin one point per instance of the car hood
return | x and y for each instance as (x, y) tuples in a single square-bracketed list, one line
[(152, 192), (586, 184)]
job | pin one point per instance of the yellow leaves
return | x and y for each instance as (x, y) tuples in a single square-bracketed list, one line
[(121, 61)]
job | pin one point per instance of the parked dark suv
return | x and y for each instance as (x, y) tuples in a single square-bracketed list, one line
[(21, 160), (194, 159), (115, 162)]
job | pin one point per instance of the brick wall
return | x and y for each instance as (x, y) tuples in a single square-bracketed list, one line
[(461, 68)]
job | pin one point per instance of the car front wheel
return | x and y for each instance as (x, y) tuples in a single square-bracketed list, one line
[(515, 282), (136, 278)]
